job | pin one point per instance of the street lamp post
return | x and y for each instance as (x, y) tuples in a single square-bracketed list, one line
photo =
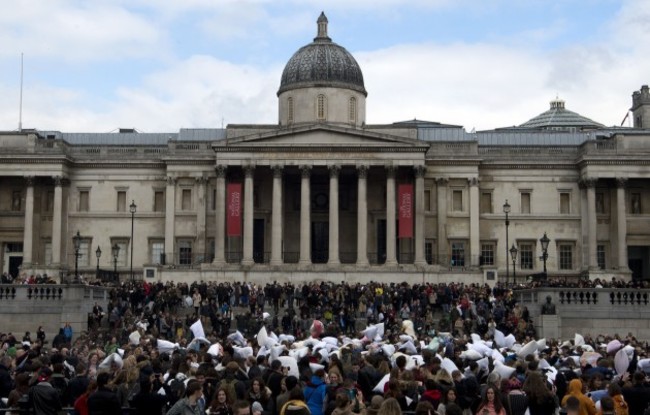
[(132, 208), (116, 252), (544, 240), (513, 255), (98, 254), (506, 210), (77, 245)]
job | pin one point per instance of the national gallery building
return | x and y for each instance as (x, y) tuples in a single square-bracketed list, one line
[(321, 195)]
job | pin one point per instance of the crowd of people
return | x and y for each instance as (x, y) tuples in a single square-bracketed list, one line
[(319, 349)]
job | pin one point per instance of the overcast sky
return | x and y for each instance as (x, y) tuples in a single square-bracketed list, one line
[(162, 65)]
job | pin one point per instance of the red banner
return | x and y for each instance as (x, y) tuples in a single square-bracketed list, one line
[(405, 210), (233, 209)]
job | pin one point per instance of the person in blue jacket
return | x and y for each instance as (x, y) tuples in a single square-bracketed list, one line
[(316, 393)]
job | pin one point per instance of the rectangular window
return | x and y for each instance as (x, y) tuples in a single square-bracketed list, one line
[(157, 251), (526, 255), (565, 203), (427, 200), (457, 201), (600, 203), (486, 202), (48, 253), (635, 203), (84, 196), (429, 249), (121, 201), (123, 252), (186, 199), (159, 201), (525, 202), (16, 200), (487, 253), (49, 202), (185, 253), (566, 256), (457, 254), (84, 252), (600, 256)]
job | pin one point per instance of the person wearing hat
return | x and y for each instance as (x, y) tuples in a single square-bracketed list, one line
[(43, 399)]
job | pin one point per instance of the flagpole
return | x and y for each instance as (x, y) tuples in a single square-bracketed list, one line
[(20, 106)]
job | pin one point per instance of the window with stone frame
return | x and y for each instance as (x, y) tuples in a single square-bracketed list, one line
[(84, 200), (427, 200), (601, 256), (525, 202), (122, 255), (290, 110), (487, 253), (17, 200), (84, 252), (321, 107), (600, 203), (486, 202), (457, 201), (565, 256), (457, 254), (526, 255), (157, 250), (159, 201), (184, 252), (352, 110), (186, 199), (429, 251), (121, 201), (635, 203), (565, 203)]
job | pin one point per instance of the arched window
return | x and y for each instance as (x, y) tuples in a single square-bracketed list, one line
[(290, 110), (352, 110), (320, 107)]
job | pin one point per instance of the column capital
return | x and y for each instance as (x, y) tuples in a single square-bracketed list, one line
[(587, 183), (390, 171), (362, 171), (221, 170), (201, 180), (334, 169), (419, 171), (621, 182), (59, 181), (171, 181), (249, 170), (473, 181), (442, 181), (277, 170), (30, 180), (305, 171)]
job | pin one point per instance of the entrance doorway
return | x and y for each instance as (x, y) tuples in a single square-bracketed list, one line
[(319, 242), (258, 241), (638, 261), (14, 265)]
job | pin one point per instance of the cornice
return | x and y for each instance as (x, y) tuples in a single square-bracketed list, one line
[(319, 149)]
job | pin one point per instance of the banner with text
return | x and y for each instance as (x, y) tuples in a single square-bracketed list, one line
[(405, 210), (233, 208)]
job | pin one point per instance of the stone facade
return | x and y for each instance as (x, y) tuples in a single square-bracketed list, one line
[(319, 197)]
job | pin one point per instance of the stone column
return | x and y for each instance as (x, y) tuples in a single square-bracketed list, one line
[(390, 216), (201, 216), (474, 233), (220, 217), (276, 219), (333, 257), (362, 216), (249, 172), (305, 216), (590, 184), (57, 218), (621, 223), (442, 220), (28, 235), (420, 230), (170, 220)]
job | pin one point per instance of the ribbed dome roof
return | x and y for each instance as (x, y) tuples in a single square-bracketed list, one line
[(558, 118), (322, 63)]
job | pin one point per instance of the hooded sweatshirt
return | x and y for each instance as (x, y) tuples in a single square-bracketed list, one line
[(587, 406), (315, 395)]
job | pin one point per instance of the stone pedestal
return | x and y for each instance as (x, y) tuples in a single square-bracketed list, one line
[(550, 326)]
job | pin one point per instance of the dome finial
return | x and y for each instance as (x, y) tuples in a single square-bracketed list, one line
[(322, 27)]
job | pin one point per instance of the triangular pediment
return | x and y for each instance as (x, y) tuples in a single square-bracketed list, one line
[(323, 136)]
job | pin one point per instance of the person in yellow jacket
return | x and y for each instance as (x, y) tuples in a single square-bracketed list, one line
[(587, 406)]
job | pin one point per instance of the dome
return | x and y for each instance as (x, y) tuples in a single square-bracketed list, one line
[(322, 63), (560, 118)]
